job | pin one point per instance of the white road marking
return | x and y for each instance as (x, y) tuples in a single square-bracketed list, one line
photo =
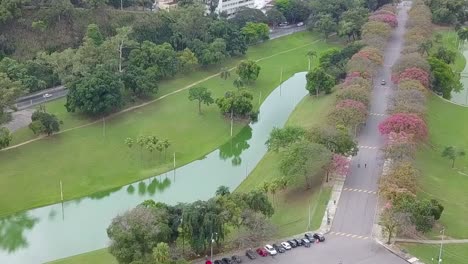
[(348, 235), (359, 190), (367, 147), (377, 114)]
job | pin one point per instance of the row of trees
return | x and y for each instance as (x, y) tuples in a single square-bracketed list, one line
[(406, 129), (139, 235)]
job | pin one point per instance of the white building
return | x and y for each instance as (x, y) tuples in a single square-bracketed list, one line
[(230, 7)]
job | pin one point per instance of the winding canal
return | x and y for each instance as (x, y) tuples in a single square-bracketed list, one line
[(79, 226), (461, 97)]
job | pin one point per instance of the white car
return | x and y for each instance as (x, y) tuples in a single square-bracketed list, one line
[(286, 245), (300, 24), (270, 250), (46, 95)]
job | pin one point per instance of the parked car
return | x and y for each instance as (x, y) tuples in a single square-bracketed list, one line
[(298, 241), (319, 236), (286, 245), (262, 252), (250, 254), (271, 250), (305, 242), (236, 259), (300, 24), (292, 243), (383, 82), (279, 248), (226, 260)]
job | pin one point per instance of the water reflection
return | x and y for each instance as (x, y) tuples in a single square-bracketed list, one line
[(156, 184), (12, 229), (234, 147)]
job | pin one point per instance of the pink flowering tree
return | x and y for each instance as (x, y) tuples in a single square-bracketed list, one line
[(407, 123), (339, 165), (388, 18), (349, 113), (370, 53), (413, 73), (400, 146)]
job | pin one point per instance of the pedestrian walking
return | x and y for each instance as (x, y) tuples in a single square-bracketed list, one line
[(359, 165), (365, 165)]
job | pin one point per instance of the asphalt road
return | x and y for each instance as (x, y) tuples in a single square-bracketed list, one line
[(38, 98)]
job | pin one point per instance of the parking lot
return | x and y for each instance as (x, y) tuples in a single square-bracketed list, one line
[(335, 250)]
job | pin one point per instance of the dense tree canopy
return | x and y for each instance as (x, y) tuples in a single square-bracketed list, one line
[(319, 81), (5, 137), (444, 79), (248, 71), (237, 103)]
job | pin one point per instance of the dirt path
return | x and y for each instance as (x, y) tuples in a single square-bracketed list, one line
[(157, 99)]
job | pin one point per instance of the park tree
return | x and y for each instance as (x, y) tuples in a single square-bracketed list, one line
[(387, 18), (355, 93), (96, 94), (391, 221), (275, 17), (140, 82), (318, 80), (408, 123), (400, 147), (414, 73), (326, 25), (246, 15), (93, 33), (5, 137), (293, 10), (452, 154), (411, 60), (187, 60), (445, 55), (43, 122), (161, 254), (10, 9), (255, 32), (352, 20), (281, 138), (135, 233), (236, 103), (161, 57), (400, 179), (96, 3), (222, 191), (225, 73), (425, 47), (339, 165), (337, 139), (202, 95), (408, 101), (348, 113), (9, 91), (463, 33), (248, 71), (238, 83), (444, 79), (304, 160)]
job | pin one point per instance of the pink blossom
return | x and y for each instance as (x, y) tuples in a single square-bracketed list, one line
[(413, 73), (390, 19), (403, 122), (339, 165), (348, 103)]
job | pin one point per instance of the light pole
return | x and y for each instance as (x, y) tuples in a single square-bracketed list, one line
[(212, 241), (441, 243)]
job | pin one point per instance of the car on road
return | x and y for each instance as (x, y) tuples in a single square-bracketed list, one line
[(292, 243), (226, 261), (298, 241), (283, 24), (319, 236), (300, 24), (286, 245), (250, 254), (279, 248), (46, 95), (383, 82), (236, 259), (271, 250), (262, 252)]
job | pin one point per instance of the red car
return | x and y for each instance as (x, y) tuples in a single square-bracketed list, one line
[(262, 252)]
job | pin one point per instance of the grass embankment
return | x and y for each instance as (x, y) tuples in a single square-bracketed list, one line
[(438, 180), (451, 254), (101, 256), (292, 205), (450, 41), (92, 159)]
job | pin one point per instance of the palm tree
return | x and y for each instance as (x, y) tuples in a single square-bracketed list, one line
[(222, 190), (452, 154), (265, 187), (166, 144), (161, 253), (463, 34), (129, 142), (273, 188), (160, 147), (141, 141), (425, 47), (225, 73), (238, 83), (311, 54)]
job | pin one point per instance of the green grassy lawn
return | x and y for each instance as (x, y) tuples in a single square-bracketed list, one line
[(292, 206), (450, 41), (101, 256), (92, 159), (439, 180), (451, 254)]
